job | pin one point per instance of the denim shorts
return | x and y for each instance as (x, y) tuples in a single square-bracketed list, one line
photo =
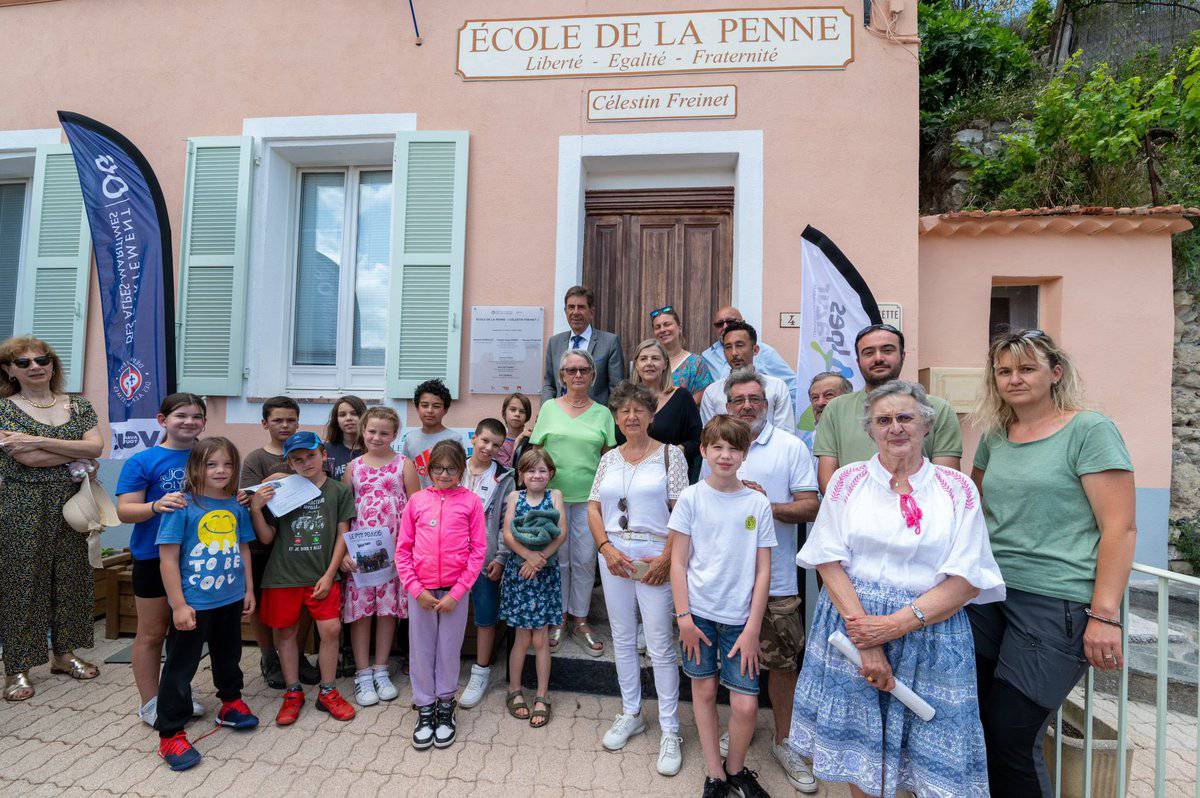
[(714, 659), (485, 601)]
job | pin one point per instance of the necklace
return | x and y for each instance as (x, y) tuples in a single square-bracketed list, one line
[(32, 403), (579, 405)]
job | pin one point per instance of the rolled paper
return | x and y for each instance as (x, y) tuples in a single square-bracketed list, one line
[(903, 693)]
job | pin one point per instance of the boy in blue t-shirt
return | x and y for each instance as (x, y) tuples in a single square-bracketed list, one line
[(209, 584)]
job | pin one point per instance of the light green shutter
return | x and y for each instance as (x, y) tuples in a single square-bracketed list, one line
[(53, 305), (429, 219), (214, 245)]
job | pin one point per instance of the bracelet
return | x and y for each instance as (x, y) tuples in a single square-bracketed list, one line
[(683, 614), (917, 612), (154, 509), (606, 542), (1095, 617)]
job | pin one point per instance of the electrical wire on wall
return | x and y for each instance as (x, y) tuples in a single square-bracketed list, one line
[(416, 28), (884, 11)]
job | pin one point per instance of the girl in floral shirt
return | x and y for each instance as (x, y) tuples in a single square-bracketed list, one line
[(382, 481)]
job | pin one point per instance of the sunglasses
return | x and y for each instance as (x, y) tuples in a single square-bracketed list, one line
[(25, 362), (576, 370), (1027, 335), (654, 314), (623, 520), (878, 328), (722, 323)]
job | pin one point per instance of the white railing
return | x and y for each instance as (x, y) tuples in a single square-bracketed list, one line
[(1119, 787)]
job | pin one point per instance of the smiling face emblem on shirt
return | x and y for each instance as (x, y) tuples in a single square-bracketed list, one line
[(218, 527)]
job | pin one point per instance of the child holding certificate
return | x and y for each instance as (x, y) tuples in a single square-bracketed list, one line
[(382, 481)]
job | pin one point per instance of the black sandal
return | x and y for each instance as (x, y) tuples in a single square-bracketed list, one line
[(540, 713)]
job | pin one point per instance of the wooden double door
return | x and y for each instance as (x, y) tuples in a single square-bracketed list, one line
[(646, 248)]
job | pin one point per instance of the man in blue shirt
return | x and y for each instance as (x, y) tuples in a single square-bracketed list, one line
[(766, 361)]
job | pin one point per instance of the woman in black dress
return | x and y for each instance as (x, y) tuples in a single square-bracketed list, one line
[(677, 420)]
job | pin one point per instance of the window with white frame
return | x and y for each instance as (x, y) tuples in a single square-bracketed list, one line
[(340, 308), (13, 198)]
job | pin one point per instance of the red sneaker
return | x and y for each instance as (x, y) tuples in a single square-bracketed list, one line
[(333, 703), (293, 701)]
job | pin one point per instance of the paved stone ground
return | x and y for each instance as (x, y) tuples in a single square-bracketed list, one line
[(82, 738)]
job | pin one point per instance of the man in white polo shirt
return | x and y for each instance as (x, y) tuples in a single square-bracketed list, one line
[(741, 345), (780, 466)]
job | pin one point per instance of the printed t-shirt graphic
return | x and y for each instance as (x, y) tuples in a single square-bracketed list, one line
[(306, 536), (210, 562)]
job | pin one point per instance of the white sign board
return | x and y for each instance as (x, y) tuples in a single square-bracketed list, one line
[(666, 102), (660, 43), (892, 314), (506, 349)]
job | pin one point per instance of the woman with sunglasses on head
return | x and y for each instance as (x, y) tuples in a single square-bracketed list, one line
[(688, 370), (45, 578), (630, 503), (575, 430), (1058, 497), (676, 419)]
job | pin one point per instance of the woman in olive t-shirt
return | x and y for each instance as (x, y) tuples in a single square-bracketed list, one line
[(1058, 497)]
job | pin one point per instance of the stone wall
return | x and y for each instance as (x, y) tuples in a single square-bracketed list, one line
[(1185, 410)]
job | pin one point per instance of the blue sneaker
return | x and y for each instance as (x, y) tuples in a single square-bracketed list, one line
[(236, 715), (178, 752)]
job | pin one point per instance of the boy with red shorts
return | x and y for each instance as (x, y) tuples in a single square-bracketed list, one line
[(303, 572)]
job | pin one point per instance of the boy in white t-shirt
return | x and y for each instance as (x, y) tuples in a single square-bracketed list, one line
[(720, 576)]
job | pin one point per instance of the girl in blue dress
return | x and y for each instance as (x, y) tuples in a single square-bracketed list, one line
[(531, 589)]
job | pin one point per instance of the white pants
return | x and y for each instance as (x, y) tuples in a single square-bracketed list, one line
[(623, 597), (577, 562)]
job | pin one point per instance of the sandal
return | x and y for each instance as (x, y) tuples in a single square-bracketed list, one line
[(590, 640), (540, 713), (74, 667), (513, 706), (555, 637), (17, 687)]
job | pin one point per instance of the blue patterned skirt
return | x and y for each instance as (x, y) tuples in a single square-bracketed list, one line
[(531, 603), (857, 734)]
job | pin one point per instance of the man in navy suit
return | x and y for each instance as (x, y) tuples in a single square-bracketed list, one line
[(604, 347)]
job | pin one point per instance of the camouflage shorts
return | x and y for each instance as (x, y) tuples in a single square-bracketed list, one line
[(782, 634)]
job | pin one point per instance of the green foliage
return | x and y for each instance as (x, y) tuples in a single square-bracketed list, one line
[(1038, 21), (1100, 138), (964, 51), (1186, 540)]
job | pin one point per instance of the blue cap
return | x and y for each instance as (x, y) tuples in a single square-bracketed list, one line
[(301, 440)]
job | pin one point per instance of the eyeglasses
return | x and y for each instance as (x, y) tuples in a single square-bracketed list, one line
[(25, 362), (576, 370), (654, 314), (439, 471), (903, 419), (722, 323), (753, 401), (623, 506)]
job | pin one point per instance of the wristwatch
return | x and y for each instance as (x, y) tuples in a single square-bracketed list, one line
[(917, 612), (683, 614)]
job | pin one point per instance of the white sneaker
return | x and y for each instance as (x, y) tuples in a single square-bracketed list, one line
[(670, 753), (795, 768), (725, 744), (641, 639), (476, 687), (624, 727), (383, 684), (148, 712), (364, 689)]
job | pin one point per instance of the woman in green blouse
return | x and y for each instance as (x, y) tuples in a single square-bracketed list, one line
[(1058, 497), (575, 431)]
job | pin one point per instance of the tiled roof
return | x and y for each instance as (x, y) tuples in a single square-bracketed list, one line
[(1062, 219)]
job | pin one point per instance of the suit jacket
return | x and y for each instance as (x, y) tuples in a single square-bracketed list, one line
[(605, 349)]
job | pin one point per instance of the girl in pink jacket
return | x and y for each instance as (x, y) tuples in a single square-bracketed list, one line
[(439, 554)]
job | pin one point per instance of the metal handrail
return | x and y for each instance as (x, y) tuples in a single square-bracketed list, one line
[(1163, 579)]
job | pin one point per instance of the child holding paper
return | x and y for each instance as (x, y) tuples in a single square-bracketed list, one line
[(382, 481), (303, 573)]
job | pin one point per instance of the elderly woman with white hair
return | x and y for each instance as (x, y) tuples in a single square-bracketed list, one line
[(575, 430), (902, 547)]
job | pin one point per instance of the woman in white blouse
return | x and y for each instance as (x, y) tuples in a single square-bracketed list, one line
[(636, 486), (901, 546)]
